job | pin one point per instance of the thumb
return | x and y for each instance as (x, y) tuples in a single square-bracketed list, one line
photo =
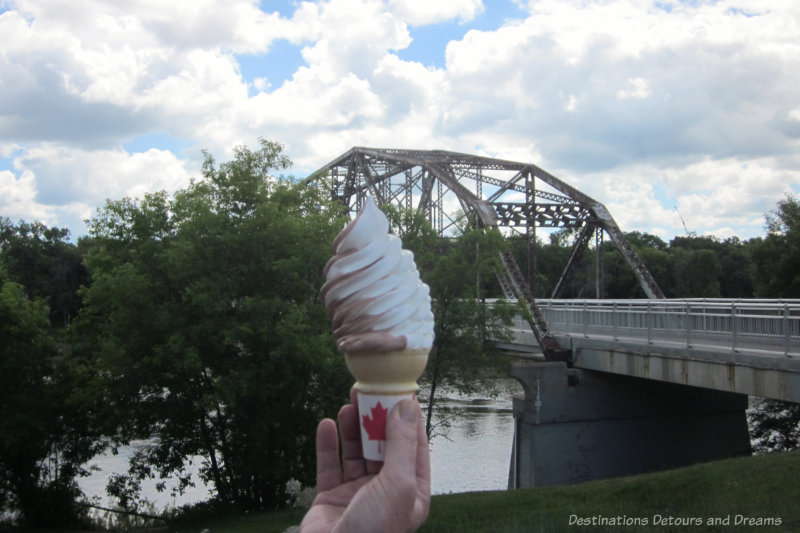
[(401, 443)]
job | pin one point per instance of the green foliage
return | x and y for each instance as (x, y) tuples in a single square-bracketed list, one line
[(640, 240), (735, 279), (204, 318), (463, 320), (550, 262), (786, 218), (776, 258), (687, 267), (774, 425), (44, 435), (696, 273), (47, 427), (43, 261)]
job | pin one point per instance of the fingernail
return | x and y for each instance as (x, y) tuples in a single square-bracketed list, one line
[(408, 410)]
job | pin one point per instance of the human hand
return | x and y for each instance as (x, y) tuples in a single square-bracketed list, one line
[(358, 495)]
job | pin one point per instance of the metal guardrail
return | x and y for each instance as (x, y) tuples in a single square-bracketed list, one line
[(771, 326)]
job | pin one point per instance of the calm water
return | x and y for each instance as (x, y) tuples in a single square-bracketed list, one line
[(473, 456)]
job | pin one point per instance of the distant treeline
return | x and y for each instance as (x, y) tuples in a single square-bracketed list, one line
[(690, 266), (51, 268)]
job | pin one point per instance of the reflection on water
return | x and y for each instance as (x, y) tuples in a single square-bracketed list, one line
[(476, 452), (108, 464), (473, 456)]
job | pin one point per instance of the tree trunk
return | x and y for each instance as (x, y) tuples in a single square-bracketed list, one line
[(432, 394), (219, 483)]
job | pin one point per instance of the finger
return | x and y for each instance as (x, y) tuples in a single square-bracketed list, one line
[(329, 473), (423, 460), (402, 443), (422, 504), (373, 467), (352, 459)]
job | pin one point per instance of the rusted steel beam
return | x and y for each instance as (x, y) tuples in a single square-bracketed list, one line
[(518, 214), (426, 176)]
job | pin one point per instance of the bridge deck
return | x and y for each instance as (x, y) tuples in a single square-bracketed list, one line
[(744, 346)]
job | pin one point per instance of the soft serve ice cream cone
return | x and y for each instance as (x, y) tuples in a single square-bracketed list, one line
[(381, 317)]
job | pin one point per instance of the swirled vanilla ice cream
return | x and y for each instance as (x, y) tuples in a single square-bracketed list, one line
[(380, 313)]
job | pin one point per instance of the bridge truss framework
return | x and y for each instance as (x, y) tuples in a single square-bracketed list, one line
[(492, 193)]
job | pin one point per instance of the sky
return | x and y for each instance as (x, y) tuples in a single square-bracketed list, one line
[(679, 116)]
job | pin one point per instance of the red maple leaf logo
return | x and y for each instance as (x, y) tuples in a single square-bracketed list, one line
[(376, 425)]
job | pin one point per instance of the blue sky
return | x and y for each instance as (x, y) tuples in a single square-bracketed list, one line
[(277, 66), (429, 41), (668, 112), (156, 139), (286, 8)]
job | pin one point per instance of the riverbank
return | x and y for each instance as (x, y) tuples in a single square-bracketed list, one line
[(480, 431), (737, 495)]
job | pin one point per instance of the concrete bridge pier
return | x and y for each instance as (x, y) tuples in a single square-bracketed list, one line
[(576, 425)]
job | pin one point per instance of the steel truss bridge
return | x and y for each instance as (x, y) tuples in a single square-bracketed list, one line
[(490, 193), (627, 386)]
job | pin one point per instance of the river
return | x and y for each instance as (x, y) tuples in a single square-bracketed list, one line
[(474, 455)]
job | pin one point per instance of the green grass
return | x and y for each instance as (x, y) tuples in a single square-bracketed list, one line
[(752, 487), (272, 522)]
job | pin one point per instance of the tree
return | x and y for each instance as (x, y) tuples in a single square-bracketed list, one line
[(619, 279), (776, 258), (696, 273), (47, 266), (47, 426), (45, 435), (204, 319), (735, 280), (774, 425), (550, 261)]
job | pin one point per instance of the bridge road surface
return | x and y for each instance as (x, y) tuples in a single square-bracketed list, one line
[(745, 346)]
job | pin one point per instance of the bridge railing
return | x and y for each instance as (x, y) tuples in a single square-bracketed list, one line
[(758, 325)]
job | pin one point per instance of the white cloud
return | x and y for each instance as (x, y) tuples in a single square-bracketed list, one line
[(688, 88), (293, 105), (17, 198), (411, 91), (261, 84), (421, 12), (68, 174), (8, 149), (237, 25), (631, 199), (60, 185), (637, 88), (710, 196), (355, 35), (485, 51), (572, 103), (644, 106)]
